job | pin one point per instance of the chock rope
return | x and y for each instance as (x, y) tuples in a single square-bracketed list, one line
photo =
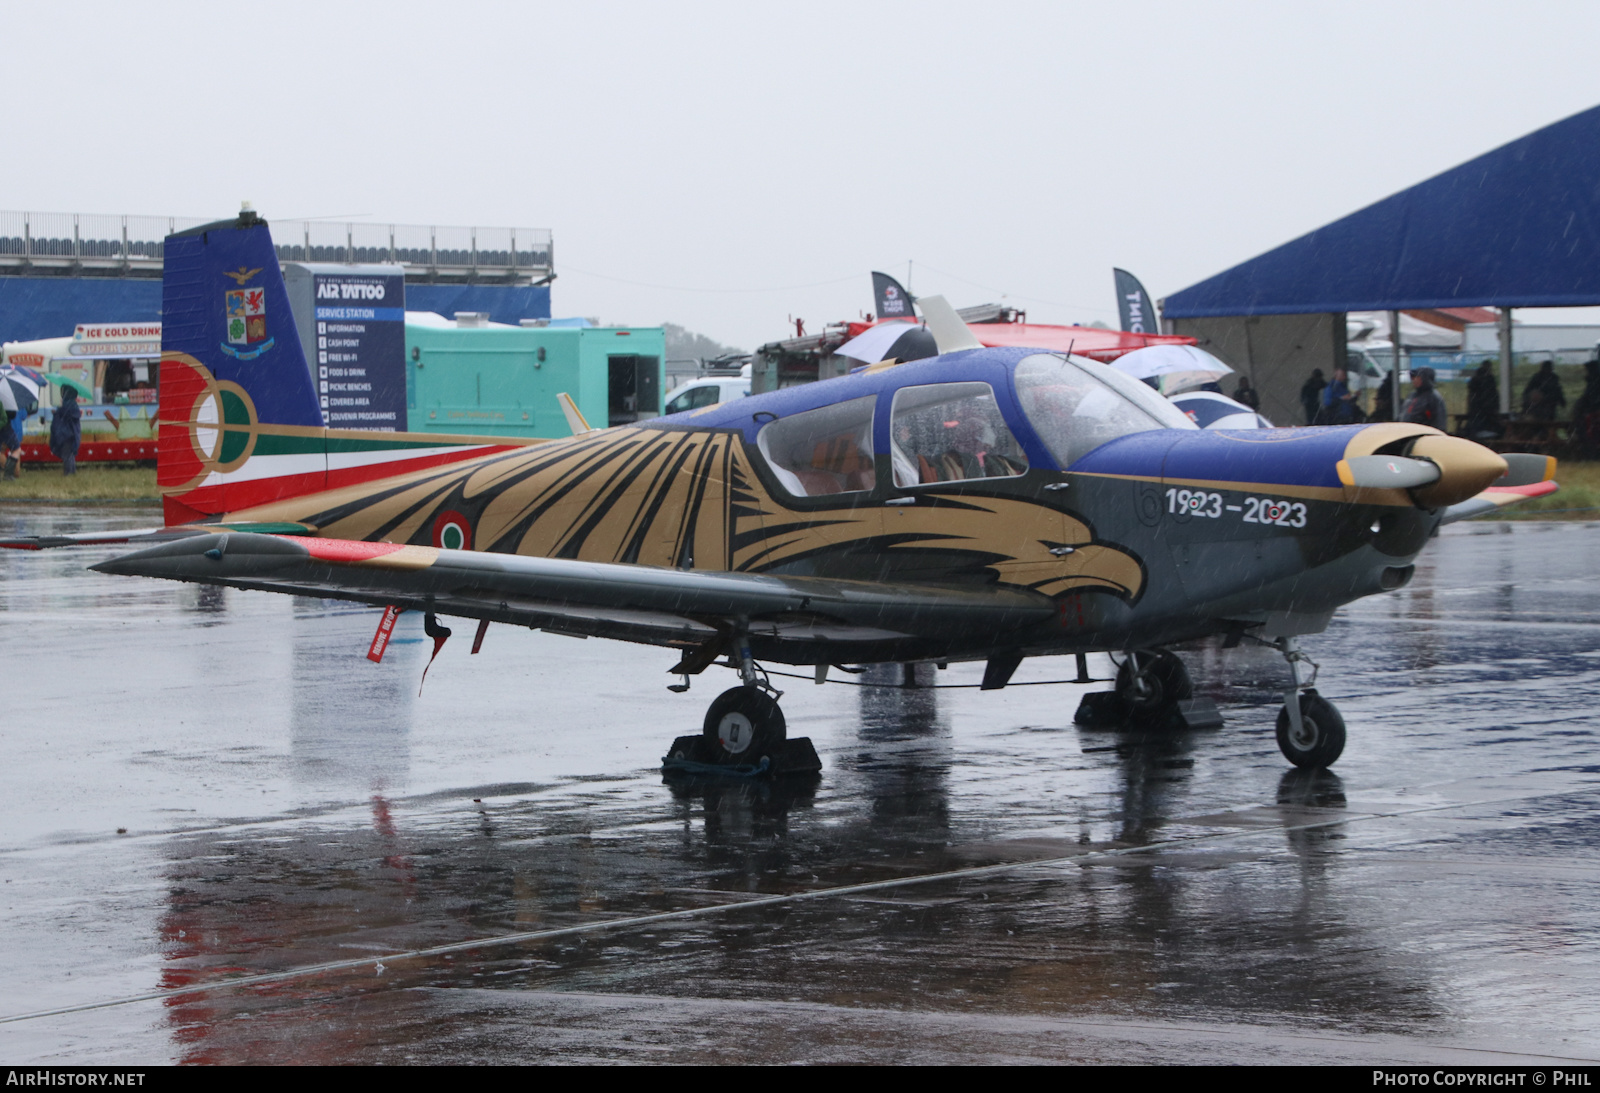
[(938, 686)]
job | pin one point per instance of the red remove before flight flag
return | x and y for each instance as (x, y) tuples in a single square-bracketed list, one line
[(380, 640), (439, 634)]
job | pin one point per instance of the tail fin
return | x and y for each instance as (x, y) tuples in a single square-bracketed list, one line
[(236, 388), (224, 304), (575, 419), (947, 328)]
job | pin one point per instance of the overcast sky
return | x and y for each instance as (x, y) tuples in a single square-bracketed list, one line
[(728, 166)]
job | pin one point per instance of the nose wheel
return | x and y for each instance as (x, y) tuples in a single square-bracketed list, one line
[(1310, 728), (1315, 739)]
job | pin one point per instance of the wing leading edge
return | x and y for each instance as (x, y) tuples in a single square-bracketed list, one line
[(657, 606)]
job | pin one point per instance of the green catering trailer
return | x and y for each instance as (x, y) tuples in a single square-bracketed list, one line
[(491, 380)]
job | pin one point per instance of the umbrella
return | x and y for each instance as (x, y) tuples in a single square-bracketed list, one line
[(1210, 410), (1175, 368), (83, 389), (893, 340), (21, 389)]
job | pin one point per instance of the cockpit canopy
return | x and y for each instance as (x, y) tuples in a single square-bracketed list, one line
[(1077, 405), (963, 428)]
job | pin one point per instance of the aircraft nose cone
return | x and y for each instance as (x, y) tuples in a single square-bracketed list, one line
[(1465, 469)]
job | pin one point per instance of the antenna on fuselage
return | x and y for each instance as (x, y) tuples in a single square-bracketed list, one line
[(950, 334)]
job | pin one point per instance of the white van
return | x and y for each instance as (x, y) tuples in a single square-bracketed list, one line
[(708, 391)]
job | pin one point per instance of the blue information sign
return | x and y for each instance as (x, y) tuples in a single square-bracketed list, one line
[(360, 349)]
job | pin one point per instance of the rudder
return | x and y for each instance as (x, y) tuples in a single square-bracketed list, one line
[(236, 388)]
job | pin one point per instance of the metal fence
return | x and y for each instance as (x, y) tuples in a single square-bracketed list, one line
[(430, 247), (94, 241), (97, 239)]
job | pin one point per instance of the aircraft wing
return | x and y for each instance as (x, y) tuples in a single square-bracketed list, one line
[(657, 606)]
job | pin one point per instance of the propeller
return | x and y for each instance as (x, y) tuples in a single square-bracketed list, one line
[(1387, 472), (1439, 471)]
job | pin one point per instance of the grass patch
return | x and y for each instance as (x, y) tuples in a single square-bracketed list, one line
[(45, 482)]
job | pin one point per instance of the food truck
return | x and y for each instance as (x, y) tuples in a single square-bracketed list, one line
[(119, 364)]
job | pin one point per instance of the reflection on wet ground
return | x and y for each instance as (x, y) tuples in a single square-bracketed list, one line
[(289, 805)]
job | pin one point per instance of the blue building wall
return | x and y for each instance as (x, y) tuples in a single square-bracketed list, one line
[(504, 303), (49, 307)]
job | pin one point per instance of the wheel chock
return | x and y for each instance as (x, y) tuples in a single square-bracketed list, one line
[(690, 756)]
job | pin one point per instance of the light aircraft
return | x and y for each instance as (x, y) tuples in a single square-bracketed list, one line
[(985, 504)]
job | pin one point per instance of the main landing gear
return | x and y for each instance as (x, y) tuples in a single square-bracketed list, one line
[(744, 734), (1153, 691), (1310, 729)]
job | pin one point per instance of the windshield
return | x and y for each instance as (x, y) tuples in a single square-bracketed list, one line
[(1078, 405)]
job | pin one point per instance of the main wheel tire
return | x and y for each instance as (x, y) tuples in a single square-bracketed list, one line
[(1320, 741), (1160, 681), (743, 726)]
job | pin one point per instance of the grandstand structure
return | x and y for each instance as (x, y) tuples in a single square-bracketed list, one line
[(94, 245)]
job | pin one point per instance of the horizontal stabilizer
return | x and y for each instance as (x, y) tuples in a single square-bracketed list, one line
[(97, 538), (146, 535)]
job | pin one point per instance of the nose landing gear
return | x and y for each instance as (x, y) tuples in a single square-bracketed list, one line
[(1310, 729)]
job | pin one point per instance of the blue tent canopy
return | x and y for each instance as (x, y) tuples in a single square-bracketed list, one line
[(1516, 227)]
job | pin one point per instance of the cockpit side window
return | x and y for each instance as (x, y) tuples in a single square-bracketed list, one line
[(1076, 407), (822, 451), (948, 432)]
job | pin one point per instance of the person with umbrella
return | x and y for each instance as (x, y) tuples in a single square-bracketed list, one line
[(10, 439), (66, 430), (19, 397)]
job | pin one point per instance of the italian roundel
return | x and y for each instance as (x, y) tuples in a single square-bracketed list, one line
[(452, 531)]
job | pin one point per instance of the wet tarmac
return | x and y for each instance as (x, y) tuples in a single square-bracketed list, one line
[(338, 870)]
